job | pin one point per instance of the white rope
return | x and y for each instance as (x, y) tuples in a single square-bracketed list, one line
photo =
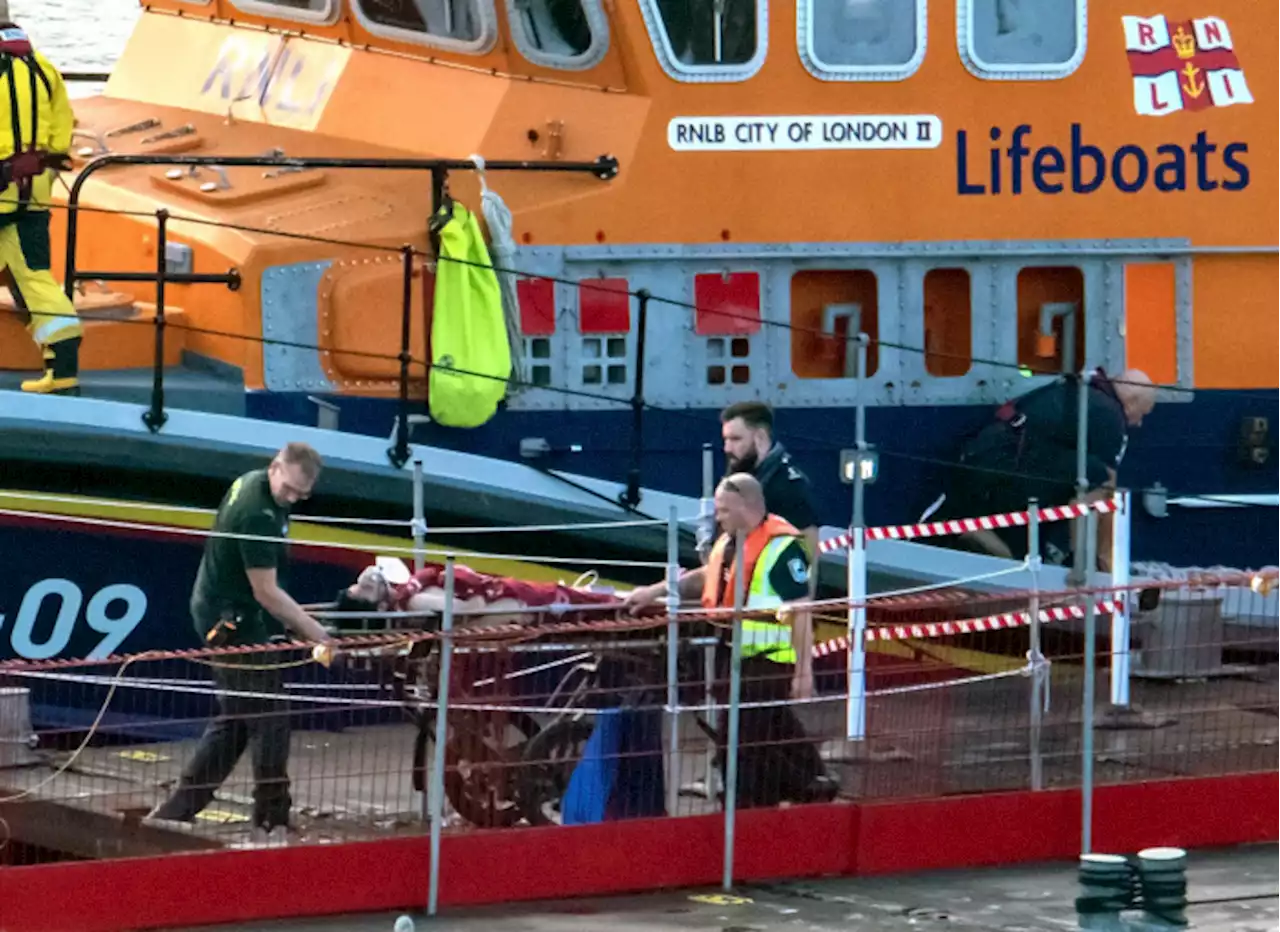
[(1029, 669), (169, 686), (360, 548), (528, 671), (62, 768)]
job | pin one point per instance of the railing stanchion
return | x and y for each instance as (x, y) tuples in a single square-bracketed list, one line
[(399, 454), (419, 523), (154, 417)]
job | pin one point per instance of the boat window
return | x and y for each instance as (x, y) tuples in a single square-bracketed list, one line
[(313, 11), (1051, 318), (462, 25), (707, 40), (861, 40), (559, 33), (828, 309), (1021, 39), (948, 322)]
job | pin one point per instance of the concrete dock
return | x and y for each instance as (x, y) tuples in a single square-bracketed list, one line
[(1229, 890)]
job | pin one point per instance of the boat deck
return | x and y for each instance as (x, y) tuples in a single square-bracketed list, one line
[(356, 783), (193, 386)]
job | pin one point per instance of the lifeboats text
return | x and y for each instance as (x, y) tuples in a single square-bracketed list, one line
[(1011, 165)]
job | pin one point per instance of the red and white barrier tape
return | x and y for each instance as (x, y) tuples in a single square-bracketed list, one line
[(964, 626), (968, 525)]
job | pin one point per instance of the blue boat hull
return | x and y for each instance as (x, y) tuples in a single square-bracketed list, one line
[(74, 591), (1191, 448)]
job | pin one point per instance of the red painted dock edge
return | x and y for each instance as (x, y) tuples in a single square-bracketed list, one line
[(623, 857)]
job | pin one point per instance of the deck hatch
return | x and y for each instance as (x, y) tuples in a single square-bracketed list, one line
[(726, 304), (948, 322), (537, 298), (1051, 318), (1151, 319), (828, 308), (604, 306)]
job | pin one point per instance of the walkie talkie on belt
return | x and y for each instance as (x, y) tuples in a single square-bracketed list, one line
[(222, 632)]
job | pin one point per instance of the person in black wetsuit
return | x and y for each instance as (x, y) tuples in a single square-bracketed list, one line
[(1029, 450)]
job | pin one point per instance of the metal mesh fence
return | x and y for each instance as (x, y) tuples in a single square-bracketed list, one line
[(574, 724)]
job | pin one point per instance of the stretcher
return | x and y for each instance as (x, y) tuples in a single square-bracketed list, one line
[(520, 707)]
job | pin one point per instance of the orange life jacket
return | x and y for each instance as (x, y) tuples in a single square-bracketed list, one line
[(753, 546)]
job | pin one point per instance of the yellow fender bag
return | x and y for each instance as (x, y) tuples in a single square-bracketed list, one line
[(470, 355)]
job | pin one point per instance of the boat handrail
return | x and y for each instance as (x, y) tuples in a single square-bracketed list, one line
[(605, 167)]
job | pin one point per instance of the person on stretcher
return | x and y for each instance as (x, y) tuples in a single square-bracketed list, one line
[(503, 601)]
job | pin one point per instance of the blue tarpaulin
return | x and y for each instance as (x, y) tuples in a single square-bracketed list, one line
[(620, 775)]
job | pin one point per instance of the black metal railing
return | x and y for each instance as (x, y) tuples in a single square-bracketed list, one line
[(605, 168)]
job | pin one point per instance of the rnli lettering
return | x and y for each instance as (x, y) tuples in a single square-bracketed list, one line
[(781, 133), (290, 84), (1085, 168)]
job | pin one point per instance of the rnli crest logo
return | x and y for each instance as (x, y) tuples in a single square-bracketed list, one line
[(1187, 65)]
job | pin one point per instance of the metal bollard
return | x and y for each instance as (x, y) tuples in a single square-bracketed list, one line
[(1163, 877), (1106, 888)]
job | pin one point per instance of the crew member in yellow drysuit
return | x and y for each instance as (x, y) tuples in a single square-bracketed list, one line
[(35, 135)]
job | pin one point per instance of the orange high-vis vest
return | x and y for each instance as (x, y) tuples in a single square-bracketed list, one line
[(772, 527)]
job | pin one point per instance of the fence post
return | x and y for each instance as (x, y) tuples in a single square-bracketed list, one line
[(399, 454), (442, 734), (419, 519), (673, 658), (856, 581), (735, 694), (856, 710), (154, 417), (1033, 655), (706, 535), (1120, 585), (1090, 671)]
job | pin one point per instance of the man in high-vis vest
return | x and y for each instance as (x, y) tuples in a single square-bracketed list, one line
[(776, 760), (35, 136)]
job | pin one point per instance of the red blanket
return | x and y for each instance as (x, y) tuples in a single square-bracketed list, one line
[(467, 584)]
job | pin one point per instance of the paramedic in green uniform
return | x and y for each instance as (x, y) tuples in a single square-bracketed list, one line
[(238, 600)]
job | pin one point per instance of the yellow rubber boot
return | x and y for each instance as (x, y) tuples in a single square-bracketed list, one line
[(61, 370)]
